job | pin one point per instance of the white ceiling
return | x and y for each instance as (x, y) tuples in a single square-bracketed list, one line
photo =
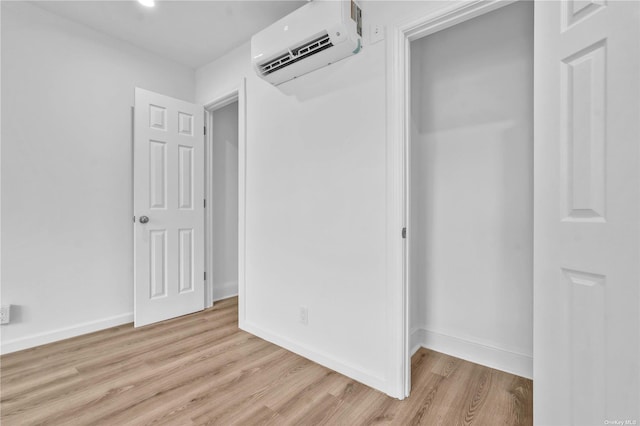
[(190, 32)]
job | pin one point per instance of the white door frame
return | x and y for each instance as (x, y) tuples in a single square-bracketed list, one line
[(398, 133), (238, 93)]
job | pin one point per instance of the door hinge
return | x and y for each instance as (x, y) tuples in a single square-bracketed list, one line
[(205, 130), (205, 204), (404, 232), (134, 219), (205, 276)]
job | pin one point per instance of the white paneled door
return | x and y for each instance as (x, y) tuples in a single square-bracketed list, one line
[(168, 207), (587, 213)]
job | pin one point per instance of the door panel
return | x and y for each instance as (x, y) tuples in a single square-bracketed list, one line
[(587, 215), (168, 182)]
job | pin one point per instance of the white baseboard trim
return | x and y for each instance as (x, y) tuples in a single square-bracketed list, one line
[(38, 339), (358, 374), (224, 290), (476, 352)]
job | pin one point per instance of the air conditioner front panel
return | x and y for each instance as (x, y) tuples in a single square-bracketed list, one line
[(312, 63), (295, 28), (317, 34)]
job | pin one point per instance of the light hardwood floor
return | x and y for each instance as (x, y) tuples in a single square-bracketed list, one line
[(201, 369)]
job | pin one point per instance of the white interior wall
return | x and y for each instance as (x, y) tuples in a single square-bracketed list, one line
[(224, 204), (315, 216), (220, 77), (471, 207), (316, 203), (67, 93)]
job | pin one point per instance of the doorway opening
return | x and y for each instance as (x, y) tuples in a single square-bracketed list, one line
[(469, 191), (225, 207)]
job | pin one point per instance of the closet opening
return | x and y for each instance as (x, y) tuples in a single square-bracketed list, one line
[(470, 191), (222, 199)]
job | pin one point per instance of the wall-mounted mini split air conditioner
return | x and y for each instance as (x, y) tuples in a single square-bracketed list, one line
[(316, 35)]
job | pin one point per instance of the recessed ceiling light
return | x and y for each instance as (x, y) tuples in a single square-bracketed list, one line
[(147, 3)]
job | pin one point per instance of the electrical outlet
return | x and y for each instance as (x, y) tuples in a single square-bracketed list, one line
[(304, 315), (376, 33), (5, 314)]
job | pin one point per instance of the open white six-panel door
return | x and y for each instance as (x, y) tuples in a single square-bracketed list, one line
[(168, 207)]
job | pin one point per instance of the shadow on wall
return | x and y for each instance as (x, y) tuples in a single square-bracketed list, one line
[(450, 91)]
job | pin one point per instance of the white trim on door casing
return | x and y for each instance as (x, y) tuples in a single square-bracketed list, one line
[(398, 98)]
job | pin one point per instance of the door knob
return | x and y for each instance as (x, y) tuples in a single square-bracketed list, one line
[(144, 219)]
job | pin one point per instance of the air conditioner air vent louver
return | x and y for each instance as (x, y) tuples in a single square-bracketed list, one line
[(296, 54), (318, 34)]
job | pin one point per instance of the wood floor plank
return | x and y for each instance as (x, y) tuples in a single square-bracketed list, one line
[(260, 416), (242, 397), (144, 340), (317, 413), (177, 389), (137, 393), (201, 369)]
